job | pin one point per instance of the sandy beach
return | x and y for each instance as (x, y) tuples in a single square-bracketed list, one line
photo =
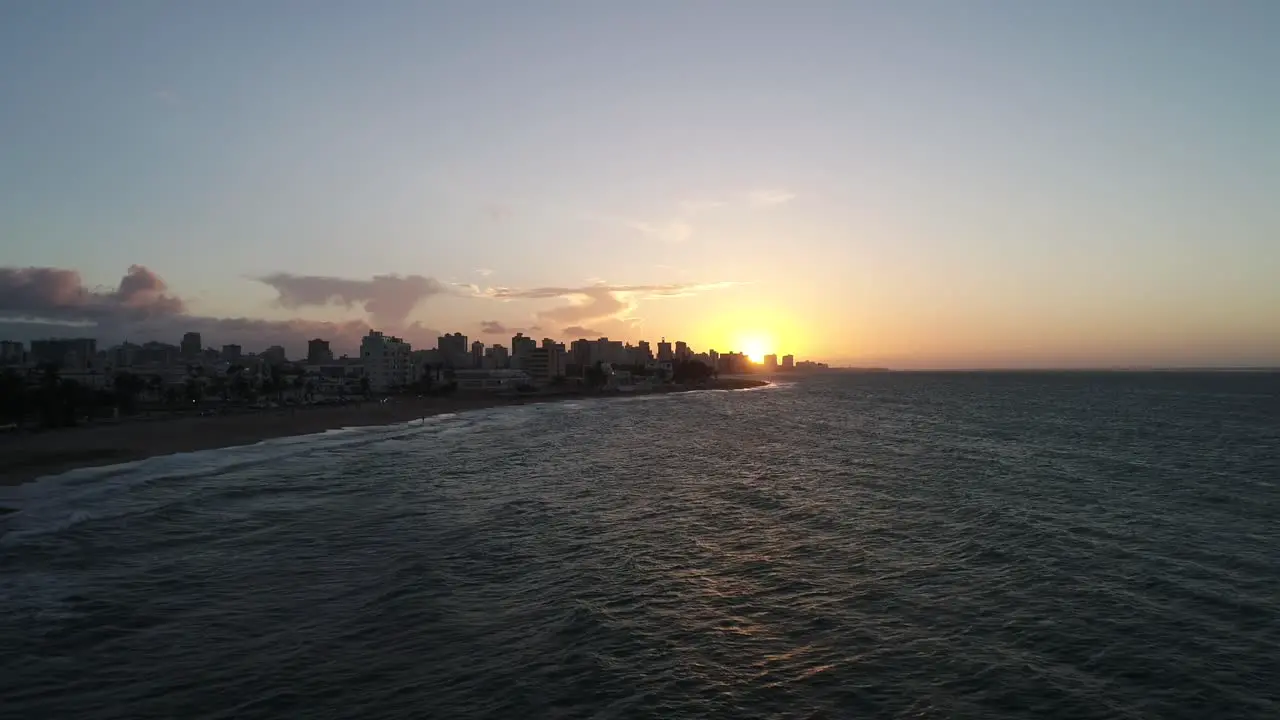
[(31, 455)]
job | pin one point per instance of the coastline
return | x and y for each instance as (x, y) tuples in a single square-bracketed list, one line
[(33, 455)]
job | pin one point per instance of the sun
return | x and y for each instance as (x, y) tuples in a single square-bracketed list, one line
[(755, 349)]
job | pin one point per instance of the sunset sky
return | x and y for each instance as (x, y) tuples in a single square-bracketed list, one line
[(913, 184)]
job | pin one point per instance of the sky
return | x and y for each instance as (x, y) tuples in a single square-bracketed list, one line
[(911, 184)]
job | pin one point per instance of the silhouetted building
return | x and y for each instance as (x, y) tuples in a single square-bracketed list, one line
[(788, 362), (191, 345), (521, 346), (274, 355), (682, 350), (497, 358), (231, 353), (733, 363), (123, 355), (453, 349), (157, 353), (386, 361), (12, 353), (664, 351), (318, 352), (771, 362), (69, 353), (477, 354)]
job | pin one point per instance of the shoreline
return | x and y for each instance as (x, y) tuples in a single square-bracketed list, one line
[(30, 456)]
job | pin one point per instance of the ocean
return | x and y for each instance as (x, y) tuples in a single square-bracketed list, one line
[(900, 545)]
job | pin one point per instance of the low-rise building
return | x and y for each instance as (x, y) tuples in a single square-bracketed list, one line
[(491, 380)]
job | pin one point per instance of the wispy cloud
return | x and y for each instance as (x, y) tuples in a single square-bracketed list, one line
[(675, 231), (600, 301), (694, 207), (766, 198), (577, 331), (484, 272)]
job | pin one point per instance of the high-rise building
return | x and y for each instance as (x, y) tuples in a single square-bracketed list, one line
[(521, 347), (580, 352), (122, 356), (386, 361), (454, 350), (274, 355), (157, 353), (714, 357), (497, 358), (733, 363), (643, 351), (191, 345), (69, 353), (231, 353), (682, 350), (543, 364), (664, 351), (12, 353), (318, 352), (771, 362), (561, 359), (788, 362), (477, 354), (611, 352)]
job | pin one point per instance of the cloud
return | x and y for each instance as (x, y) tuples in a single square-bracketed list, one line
[(43, 302), (485, 272), (766, 198), (493, 327), (387, 298), (599, 301), (60, 295), (693, 207), (676, 231), (577, 331)]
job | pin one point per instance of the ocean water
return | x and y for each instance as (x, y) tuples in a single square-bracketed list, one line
[(899, 546)]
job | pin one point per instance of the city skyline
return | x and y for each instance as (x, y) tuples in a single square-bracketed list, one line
[(318, 351), (910, 185)]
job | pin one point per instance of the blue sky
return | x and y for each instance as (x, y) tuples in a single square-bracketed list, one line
[(914, 183)]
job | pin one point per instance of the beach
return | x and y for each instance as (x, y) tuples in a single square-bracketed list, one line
[(31, 455)]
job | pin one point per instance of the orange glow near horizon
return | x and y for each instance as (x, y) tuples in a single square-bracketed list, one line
[(756, 346)]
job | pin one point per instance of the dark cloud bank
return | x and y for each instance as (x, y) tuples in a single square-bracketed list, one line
[(55, 302)]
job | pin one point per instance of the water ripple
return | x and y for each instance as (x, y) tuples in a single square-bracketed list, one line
[(906, 546)]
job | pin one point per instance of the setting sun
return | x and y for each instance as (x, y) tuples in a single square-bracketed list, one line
[(755, 348)]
